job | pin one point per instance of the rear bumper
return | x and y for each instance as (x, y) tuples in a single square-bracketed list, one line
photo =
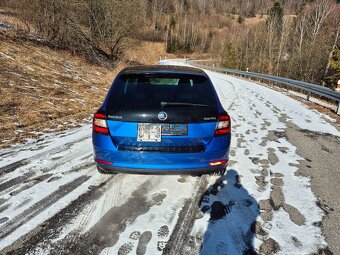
[(104, 149), (109, 169), (159, 162)]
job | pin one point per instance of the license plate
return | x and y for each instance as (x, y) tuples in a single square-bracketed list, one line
[(175, 129), (149, 132)]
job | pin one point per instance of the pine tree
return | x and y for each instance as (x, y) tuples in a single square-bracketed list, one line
[(335, 61), (230, 58), (252, 12), (275, 16), (240, 19)]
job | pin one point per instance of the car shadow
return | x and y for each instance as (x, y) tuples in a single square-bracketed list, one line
[(233, 214)]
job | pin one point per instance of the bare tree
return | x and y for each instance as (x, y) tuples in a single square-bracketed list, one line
[(319, 14), (285, 33), (335, 46), (90, 27)]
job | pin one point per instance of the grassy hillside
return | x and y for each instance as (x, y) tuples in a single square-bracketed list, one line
[(43, 89)]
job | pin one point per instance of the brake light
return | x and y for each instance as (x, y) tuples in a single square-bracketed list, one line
[(223, 125), (217, 163), (99, 124)]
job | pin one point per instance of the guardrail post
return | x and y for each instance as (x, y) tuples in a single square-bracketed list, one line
[(338, 109), (287, 88), (308, 95)]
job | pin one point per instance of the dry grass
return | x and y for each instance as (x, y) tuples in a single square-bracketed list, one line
[(44, 90), (8, 19), (148, 52), (255, 20)]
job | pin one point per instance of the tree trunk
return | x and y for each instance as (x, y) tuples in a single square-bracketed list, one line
[(331, 53)]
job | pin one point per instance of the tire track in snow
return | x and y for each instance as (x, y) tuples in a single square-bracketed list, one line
[(15, 181), (42, 205), (13, 166), (112, 196), (37, 241), (25, 165), (62, 161), (13, 187), (30, 153), (186, 219), (105, 232), (30, 183)]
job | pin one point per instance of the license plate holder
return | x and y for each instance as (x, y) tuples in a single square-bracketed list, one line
[(175, 129), (147, 132)]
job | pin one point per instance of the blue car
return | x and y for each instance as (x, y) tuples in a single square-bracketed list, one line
[(161, 120)]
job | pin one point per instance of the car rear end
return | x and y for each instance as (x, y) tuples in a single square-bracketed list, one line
[(161, 120)]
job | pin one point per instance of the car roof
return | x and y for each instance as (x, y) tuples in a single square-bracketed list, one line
[(168, 69)]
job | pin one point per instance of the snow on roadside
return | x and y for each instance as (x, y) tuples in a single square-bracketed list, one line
[(300, 114), (46, 143), (47, 189), (257, 111), (48, 164), (297, 112)]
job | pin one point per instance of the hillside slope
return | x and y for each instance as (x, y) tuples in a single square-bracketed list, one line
[(44, 90)]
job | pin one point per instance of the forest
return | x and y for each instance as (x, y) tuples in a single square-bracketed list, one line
[(298, 39)]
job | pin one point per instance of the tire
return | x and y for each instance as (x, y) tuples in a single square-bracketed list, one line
[(102, 171), (219, 172), (197, 175)]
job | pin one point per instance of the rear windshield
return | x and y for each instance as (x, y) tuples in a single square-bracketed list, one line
[(134, 91)]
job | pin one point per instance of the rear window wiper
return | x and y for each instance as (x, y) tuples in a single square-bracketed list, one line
[(163, 104)]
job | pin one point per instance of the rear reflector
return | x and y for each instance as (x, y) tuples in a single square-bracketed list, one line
[(103, 161), (221, 132), (223, 125), (217, 163), (99, 124)]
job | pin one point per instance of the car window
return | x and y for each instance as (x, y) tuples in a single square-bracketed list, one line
[(164, 81), (135, 91)]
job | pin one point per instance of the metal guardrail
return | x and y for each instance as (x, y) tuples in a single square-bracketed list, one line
[(310, 88)]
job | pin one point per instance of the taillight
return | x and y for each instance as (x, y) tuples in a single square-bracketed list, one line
[(99, 124), (223, 125), (218, 163)]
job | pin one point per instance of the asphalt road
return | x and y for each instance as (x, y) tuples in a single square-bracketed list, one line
[(279, 196)]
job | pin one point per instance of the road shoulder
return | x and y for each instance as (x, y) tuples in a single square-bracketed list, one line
[(321, 165)]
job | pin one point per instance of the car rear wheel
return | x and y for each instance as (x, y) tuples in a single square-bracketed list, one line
[(220, 172), (102, 171), (216, 173)]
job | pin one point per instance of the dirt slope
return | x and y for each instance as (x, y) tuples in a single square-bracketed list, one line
[(43, 89)]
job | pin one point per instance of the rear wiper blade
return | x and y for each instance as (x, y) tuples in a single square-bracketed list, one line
[(163, 104)]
